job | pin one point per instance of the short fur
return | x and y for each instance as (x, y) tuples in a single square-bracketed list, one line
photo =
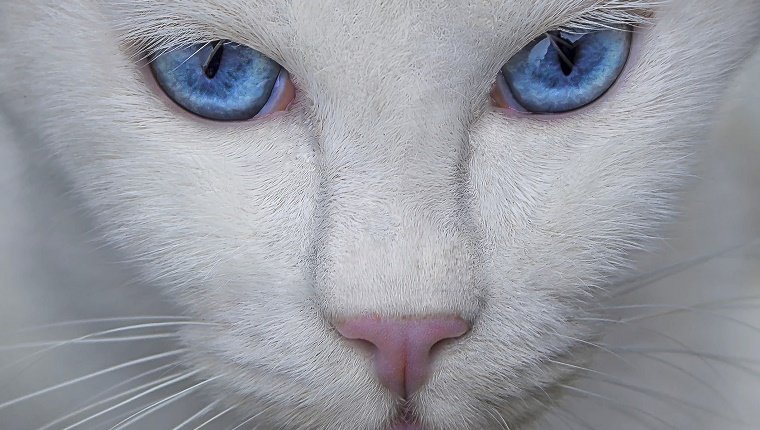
[(390, 187)]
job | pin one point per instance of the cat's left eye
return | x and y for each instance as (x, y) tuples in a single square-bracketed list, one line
[(560, 71), (222, 81)]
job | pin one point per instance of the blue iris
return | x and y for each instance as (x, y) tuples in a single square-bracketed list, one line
[(221, 81), (563, 71)]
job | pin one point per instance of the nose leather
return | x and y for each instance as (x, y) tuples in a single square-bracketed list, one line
[(402, 347)]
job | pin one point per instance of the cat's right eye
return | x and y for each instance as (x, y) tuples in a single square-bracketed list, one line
[(562, 71), (222, 80)]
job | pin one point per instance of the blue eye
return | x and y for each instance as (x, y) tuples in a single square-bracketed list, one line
[(560, 71), (221, 80)]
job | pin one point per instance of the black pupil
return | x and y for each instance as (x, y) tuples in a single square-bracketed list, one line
[(566, 52), (211, 67)]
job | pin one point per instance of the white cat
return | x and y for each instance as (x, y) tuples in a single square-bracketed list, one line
[(389, 240)]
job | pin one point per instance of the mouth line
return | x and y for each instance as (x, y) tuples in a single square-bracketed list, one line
[(405, 426), (406, 420)]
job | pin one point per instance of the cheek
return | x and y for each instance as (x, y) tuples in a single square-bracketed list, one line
[(557, 200), (209, 212), (263, 209), (511, 167)]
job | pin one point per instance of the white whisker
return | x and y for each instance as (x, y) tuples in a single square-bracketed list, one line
[(106, 401), (642, 281), (92, 375), (159, 404), (217, 416), (89, 401), (166, 381), (118, 339), (102, 320), (101, 333), (735, 362), (595, 345), (660, 396), (676, 342), (197, 415), (251, 418), (162, 368), (702, 381), (617, 404)]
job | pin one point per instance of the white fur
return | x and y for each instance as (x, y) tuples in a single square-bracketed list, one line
[(390, 187)]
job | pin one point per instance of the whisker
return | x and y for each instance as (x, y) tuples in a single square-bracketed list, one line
[(554, 413), (675, 341), (162, 368), (660, 396), (30, 345), (723, 359), (577, 367), (100, 320), (667, 271), (173, 379), (251, 418), (552, 410), (597, 346), (703, 382), (614, 403), (556, 41), (696, 309), (92, 375), (91, 405), (160, 404), (498, 417), (191, 56), (574, 417), (217, 416), (714, 304), (101, 333), (197, 415), (607, 378), (105, 401)]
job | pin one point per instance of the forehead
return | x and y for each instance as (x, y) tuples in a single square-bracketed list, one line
[(399, 47), (263, 22)]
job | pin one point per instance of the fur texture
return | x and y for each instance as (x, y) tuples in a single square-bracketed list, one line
[(390, 186)]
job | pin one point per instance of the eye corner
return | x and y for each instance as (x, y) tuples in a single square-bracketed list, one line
[(282, 97), (503, 101)]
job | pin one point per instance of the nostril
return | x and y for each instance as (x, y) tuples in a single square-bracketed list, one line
[(365, 346), (403, 348), (443, 343)]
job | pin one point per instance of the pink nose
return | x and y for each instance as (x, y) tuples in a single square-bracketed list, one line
[(402, 347)]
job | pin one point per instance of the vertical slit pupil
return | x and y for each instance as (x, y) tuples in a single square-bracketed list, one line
[(566, 56), (211, 67)]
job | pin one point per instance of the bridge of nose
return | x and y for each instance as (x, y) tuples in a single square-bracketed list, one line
[(391, 234)]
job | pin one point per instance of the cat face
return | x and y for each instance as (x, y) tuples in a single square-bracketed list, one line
[(390, 188)]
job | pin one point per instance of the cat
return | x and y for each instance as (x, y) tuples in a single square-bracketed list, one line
[(394, 243)]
